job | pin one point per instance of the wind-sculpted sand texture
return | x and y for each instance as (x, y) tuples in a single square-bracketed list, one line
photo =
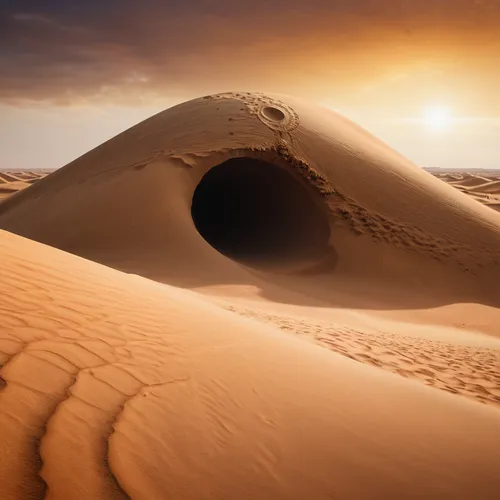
[(471, 371), (125, 372), (116, 387)]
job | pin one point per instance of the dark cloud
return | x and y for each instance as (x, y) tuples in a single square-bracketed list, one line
[(69, 50)]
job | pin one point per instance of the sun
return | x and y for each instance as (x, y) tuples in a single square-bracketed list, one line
[(437, 118)]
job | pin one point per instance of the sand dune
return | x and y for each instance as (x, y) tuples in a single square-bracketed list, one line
[(470, 180), (484, 188), (108, 373), (324, 194), (494, 206), (12, 182), (9, 177), (7, 189), (492, 187), (280, 306)]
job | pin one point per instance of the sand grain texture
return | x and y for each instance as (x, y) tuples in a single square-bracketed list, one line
[(246, 296), (111, 374)]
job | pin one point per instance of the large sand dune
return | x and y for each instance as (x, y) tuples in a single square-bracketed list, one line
[(320, 319), (295, 186), (113, 385)]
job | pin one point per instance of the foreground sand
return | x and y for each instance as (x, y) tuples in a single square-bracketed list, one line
[(364, 364), (115, 386)]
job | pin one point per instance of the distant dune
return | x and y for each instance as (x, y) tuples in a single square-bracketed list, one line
[(489, 187), (13, 181), (247, 296), (484, 188)]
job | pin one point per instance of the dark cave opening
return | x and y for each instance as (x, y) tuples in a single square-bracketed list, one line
[(255, 211)]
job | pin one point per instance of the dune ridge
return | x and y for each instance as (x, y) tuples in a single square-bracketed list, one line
[(247, 296), (456, 367), (484, 188), (11, 182), (162, 160)]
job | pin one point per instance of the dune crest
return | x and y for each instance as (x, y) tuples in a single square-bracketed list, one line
[(129, 203), (13, 181), (247, 296)]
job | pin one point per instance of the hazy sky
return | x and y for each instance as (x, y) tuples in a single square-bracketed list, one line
[(424, 75)]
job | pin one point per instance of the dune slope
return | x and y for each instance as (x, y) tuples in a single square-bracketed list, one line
[(114, 386), (247, 296), (283, 185)]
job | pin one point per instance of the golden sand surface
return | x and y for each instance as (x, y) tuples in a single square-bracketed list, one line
[(249, 297)]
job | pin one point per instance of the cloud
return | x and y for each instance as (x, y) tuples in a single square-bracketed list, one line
[(117, 50)]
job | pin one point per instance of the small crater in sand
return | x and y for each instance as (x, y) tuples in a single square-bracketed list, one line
[(274, 114)]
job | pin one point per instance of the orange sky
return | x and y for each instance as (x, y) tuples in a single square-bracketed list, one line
[(74, 73)]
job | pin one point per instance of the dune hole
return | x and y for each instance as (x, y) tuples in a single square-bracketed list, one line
[(274, 114), (255, 212)]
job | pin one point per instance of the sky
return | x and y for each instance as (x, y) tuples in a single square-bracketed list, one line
[(423, 75)]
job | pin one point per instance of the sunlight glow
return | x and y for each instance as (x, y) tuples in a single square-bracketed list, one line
[(437, 119)]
